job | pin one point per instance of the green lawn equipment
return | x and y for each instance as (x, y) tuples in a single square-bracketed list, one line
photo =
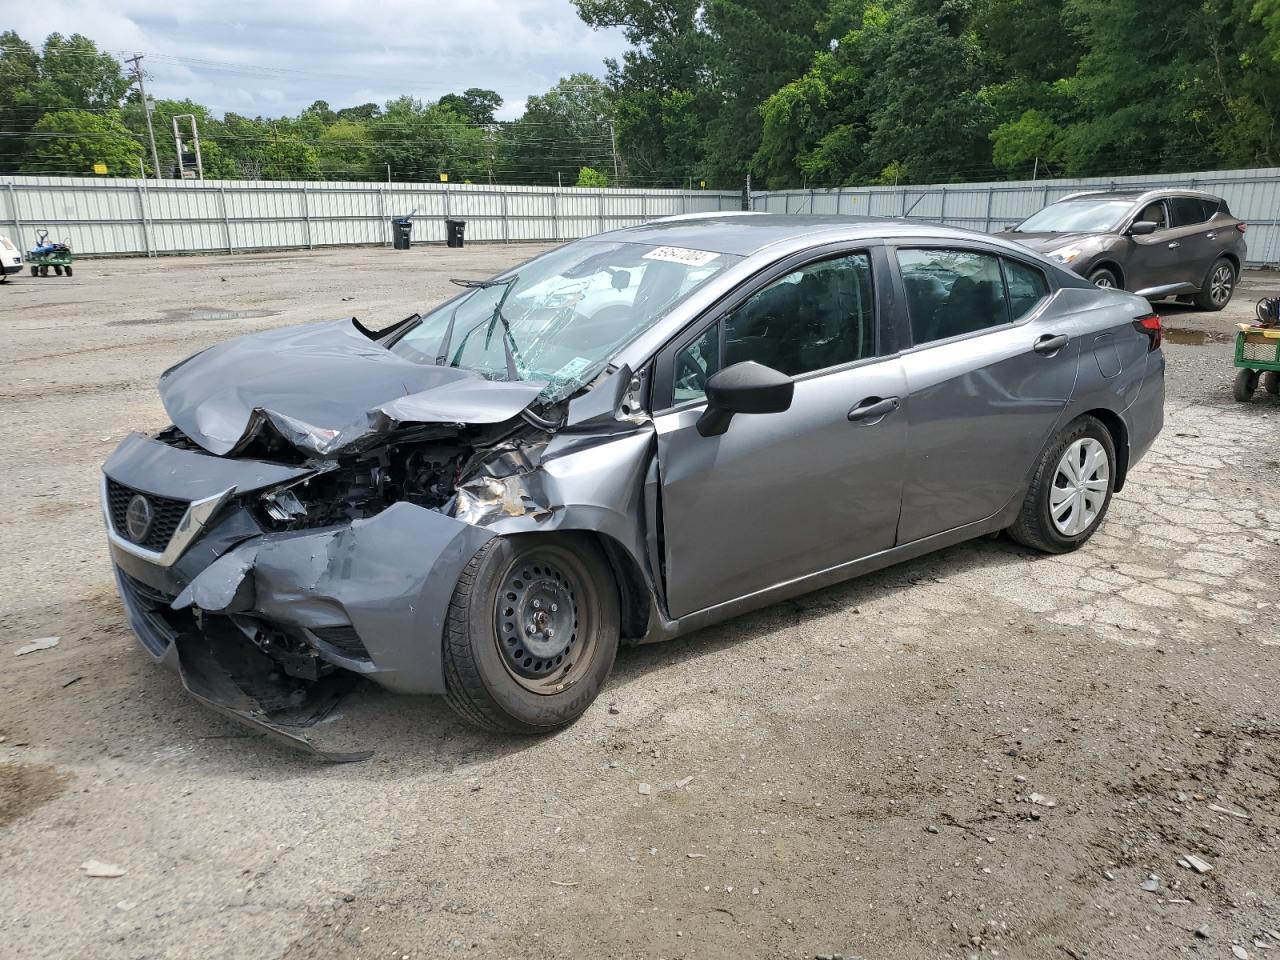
[(1258, 352), (45, 255)]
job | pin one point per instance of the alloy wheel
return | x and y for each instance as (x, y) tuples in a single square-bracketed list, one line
[(1220, 284), (1079, 489), (1105, 282)]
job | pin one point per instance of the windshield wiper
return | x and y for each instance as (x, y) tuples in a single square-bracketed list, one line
[(508, 340), (442, 352)]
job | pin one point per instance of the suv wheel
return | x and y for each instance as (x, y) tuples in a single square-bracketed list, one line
[(1070, 490), (1105, 278), (1218, 286), (532, 633)]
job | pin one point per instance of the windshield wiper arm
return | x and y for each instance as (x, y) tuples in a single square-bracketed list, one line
[(442, 352), (508, 341)]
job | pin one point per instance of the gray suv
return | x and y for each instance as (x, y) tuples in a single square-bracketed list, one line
[(1158, 243)]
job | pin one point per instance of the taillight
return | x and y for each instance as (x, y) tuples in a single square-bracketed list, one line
[(1242, 227), (1150, 325)]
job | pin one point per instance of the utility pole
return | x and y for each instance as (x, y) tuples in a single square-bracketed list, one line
[(136, 60), (613, 145), (1035, 170)]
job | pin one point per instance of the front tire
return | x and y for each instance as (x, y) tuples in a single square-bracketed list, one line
[(1271, 382), (1218, 286), (1105, 278), (1070, 490), (532, 633), (1245, 383)]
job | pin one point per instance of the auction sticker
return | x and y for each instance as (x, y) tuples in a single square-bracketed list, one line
[(690, 258)]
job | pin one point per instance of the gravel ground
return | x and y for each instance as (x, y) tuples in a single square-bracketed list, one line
[(982, 752)]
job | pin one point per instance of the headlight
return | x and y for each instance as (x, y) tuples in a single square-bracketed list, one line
[(1066, 254)]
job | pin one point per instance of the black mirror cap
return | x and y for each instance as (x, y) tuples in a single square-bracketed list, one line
[(746, 387), (1140, 228)]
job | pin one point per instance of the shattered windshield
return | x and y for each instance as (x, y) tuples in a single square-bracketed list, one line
[(561, 317), (1077, 216)]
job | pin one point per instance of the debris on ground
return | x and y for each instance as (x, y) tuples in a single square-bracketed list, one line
[(97, 868), (1040, 800), (614, 708), (1234, 813), (683, 782), (1240, 952), (1195, 863), (644, 789), (1151, 884), (43, 643)]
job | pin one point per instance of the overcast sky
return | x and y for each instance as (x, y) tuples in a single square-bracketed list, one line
[(274, 57)]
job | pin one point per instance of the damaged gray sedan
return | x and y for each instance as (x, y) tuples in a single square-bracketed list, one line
[(622, 440)]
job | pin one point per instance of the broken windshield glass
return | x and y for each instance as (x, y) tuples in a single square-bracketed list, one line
[(563, 317)]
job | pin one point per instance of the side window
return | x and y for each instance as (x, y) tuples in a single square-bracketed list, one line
[(1187, 211), (695, 362), (1154, 212), (952, 292), (822, 315), (1027, 287)]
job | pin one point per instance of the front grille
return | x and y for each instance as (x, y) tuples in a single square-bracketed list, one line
[(166, 514)]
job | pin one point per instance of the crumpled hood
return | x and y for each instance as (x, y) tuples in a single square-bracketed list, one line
[(1045, 242), (324, 387)]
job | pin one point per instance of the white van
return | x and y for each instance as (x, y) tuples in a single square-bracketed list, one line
[(10, 259)]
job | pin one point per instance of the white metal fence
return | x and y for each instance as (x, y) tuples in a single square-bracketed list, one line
[(125, 216), (1252, 195), (102, 215)]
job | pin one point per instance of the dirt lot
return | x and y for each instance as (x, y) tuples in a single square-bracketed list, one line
[(984, 751)]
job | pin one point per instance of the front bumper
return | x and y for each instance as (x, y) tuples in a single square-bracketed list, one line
[(368, 598)]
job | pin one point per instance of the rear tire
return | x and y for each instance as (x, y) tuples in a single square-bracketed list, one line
[(1271, 382), (35, 271), (1245, 383), (1218, 286), (67, 269), (1106, 278), (532, 633), (1070, 490)]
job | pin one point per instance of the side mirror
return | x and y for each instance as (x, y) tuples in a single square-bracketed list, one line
[(746, 387), (1140, 228)]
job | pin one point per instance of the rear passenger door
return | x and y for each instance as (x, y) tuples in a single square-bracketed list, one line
[(1197, 240), (989, 372)]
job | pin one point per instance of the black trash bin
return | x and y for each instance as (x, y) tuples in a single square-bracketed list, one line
[(454, 232), (401, 228)]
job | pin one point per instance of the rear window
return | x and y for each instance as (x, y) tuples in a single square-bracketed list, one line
[(1188, 211)]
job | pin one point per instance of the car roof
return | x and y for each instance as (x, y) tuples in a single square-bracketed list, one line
[(744, 233), (1134, 196)]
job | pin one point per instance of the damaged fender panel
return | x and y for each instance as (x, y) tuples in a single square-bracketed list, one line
[(391, 577), (367, 390)]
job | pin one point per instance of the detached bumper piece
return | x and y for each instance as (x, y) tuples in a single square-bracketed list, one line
[(227, 672), (222, 663)]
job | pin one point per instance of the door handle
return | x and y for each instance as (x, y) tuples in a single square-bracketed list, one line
[(1174, 245), (873, 408), (1211, 236), (1049, 344)]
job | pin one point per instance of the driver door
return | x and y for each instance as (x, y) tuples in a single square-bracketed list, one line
[(1154, 257), (782, 495)]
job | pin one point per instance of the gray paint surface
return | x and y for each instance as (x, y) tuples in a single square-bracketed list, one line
[(697, 529)]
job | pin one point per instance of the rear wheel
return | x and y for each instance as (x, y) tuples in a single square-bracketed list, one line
[(35, 271), (1104, 277), (67, 268), (1218, 286), (1070, 490), (57, 270), (532, 633), (1271, 382), (1245, 383)]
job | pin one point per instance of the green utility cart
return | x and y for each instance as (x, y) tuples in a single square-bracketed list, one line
[(1258, 357), (45, 255)]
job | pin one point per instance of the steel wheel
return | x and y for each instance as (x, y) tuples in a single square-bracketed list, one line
[(1080, 485), (1105, 281), (536, 625)]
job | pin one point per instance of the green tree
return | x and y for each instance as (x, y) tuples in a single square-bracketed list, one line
[(421, 141), (72, 141), (562, 130), (475, 104), (587, 177)]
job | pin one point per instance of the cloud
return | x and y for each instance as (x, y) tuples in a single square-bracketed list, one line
[(277, 57)]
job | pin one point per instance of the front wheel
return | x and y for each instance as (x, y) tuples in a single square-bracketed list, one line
[(1104, 278), (1245, 383), (1070, 490), (1219, 284), (532, 633), (1271, 382)]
